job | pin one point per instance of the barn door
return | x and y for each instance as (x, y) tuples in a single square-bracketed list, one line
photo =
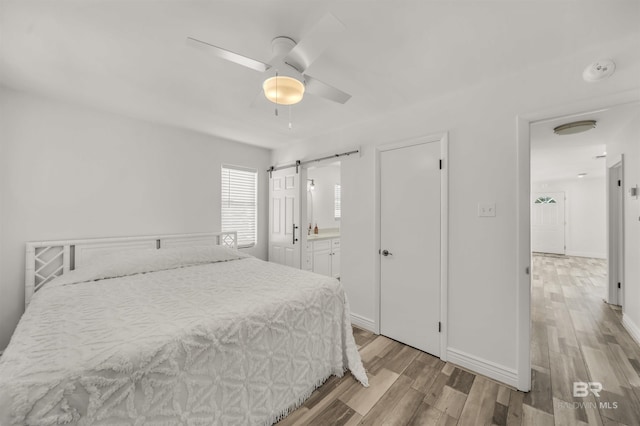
[(284, 217)]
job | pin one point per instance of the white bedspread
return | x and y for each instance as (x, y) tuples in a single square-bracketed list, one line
[(238, 342)]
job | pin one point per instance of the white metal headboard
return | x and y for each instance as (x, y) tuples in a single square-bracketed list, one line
[(49, 259)]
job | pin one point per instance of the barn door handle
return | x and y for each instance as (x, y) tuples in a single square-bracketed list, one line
[(294, 233)]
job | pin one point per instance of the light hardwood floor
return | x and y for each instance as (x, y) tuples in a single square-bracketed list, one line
[(575, 337)]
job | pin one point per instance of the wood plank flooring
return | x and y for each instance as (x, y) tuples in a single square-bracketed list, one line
[(575, 337)]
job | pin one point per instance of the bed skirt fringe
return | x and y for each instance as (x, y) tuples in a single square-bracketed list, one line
[(284, 413)]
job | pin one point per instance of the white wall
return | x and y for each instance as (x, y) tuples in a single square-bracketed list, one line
[(481, 121), (70, 172), (585, 213), (627, 143), (325, 179)]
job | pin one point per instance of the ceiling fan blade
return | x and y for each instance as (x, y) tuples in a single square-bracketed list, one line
[(322, 35), (228, 55), (318, 88)]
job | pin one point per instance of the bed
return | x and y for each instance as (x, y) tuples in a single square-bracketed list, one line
[(179, 329)]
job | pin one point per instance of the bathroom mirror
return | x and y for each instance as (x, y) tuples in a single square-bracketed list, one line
[(323, 198)]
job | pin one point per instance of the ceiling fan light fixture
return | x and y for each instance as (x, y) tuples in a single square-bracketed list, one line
[(575, 127), (283, 90)]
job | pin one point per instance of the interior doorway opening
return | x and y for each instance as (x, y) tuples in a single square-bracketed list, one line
[(322, 208), (530, 269), (576, 199)]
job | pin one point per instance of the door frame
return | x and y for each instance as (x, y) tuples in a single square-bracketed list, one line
[(614, 257), (443, 140), (523, 213)]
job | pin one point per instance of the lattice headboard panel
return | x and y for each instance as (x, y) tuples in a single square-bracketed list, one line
[(49, 259)]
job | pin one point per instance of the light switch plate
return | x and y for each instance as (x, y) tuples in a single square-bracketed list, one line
[(487, 209)]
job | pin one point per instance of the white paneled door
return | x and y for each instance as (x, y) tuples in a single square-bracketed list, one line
[(410, 245), (284, 217), (547, 223)]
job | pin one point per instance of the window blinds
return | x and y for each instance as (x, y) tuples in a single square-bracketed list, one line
[(240, 203)]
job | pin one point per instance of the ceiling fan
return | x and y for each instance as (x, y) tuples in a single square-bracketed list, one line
[(290, 60)]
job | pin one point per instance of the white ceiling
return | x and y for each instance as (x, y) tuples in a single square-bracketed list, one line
[(130, 57), (555, 157)]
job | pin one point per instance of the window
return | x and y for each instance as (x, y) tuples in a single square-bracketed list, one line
[(545, 200), (240, 203), (336, 202)]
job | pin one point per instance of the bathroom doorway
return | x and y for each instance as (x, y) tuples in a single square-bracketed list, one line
[(323, 212)]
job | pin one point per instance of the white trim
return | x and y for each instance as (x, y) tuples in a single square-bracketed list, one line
[(631, 327), (587, 254), (376, 223), (523, 257), (443, 139), (523, 193), (362, 322), (444, 246), (490, 369)]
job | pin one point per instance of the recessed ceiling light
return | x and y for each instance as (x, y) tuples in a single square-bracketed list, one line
[(599, 70), (581, 175), (575, 127)]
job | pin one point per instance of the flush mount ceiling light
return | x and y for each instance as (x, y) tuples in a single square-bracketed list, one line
[(575, 127), (581, 175), (283, 90), (599, 70)]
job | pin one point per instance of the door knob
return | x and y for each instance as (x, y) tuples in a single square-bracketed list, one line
[(386, 253)]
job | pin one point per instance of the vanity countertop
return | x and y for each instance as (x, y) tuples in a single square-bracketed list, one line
[(323, 236)]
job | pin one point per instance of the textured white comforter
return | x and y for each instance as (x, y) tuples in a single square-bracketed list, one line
[(238, 342)]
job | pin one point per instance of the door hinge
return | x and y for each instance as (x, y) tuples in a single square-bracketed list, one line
[(526, 270), (619, 182), (271, 172), (618, 285), (440, 164), (439, 327)]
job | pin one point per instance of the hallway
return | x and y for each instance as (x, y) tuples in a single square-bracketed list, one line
[(578, 337)]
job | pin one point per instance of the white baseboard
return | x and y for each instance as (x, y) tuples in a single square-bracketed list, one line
[(631, 327), (490, 369), (587, 254), (362, 322)]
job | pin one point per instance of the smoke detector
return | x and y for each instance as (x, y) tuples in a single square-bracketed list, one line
[(599, 70)]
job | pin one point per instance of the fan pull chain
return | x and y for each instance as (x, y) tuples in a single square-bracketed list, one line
[(290, 124), (276, 93)]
